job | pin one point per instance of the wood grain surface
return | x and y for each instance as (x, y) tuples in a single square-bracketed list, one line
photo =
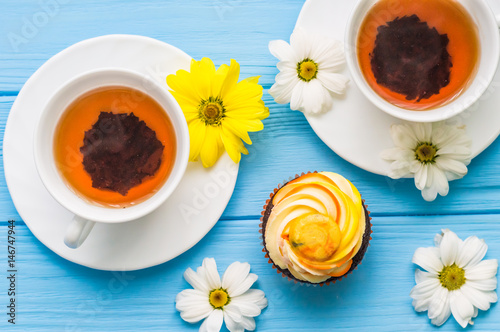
[(56, 295)]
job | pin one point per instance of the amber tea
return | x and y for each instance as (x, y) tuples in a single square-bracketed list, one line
[(115, 146), (418, 54)]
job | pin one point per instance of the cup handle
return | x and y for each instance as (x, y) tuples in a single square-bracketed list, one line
[(77, 232)]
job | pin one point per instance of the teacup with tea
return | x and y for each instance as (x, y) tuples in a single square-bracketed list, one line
[(111, 146), (422, 60)]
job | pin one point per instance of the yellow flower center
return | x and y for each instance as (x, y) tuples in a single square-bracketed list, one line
[(426, 153), (452, 277), (211, 111), (307, 70), (218, 298)]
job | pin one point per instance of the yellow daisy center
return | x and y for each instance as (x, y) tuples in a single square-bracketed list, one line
[(218, 298), (426, 153), (307, 70), (211, 111), (452, 277)]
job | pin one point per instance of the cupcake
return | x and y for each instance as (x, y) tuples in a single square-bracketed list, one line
[(315, 228)]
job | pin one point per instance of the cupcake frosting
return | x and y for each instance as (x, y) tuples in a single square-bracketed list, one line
[(316, 226)]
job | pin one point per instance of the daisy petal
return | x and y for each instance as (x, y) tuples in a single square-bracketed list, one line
[(483, 270), (478, 298), (428, 259), (334, 82), (248, 309), (443, 317), (484, 285), (438, 238), (442, 314), (439, 302), (296, 101), (195, 314), (440, 182), (423, 131), (286, 76), (213, 323), (255, 296), (314, 98), (282, 93), (212, 275), (399, 169), (397, 154), (425, 289), (461, 308), (248, 323), (429, 194), (300, 44), (234, 312), (421, 305), (453, 166), (245, 285), (196, 280), (329, 54), (421, 276), (282, 50), (449, 248), (472, 252), (237, 279), (403, 137), (421, 177), (234, 275), (193, 305), (232, 325)]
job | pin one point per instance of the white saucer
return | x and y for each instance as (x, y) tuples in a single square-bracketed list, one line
[(187, 216), (358, 131)]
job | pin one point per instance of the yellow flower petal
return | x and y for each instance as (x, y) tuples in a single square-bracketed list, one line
[(187, 105), (210, 151), (190, 117), (237, 128), (244, 92), (253, 79), (231, 79), (233, 145), (202, 73), (250, 111), (249, 124), (219, 78), (197, 133), (181, 84)]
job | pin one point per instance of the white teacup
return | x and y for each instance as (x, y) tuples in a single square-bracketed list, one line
[(489, 39), (86, 213)]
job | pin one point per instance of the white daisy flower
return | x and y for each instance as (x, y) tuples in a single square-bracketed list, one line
[(308, 71), (456, 280), (230, 300), (432, 153)]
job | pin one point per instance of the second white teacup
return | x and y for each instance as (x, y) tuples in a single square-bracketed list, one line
[(489, 56)]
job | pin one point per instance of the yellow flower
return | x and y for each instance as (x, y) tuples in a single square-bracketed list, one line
[(219, 110)]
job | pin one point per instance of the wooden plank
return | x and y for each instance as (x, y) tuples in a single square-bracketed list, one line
[(288, 146), (219, 29), (55, 294)]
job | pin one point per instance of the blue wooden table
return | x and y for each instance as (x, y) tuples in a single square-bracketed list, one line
[(57, 295)]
